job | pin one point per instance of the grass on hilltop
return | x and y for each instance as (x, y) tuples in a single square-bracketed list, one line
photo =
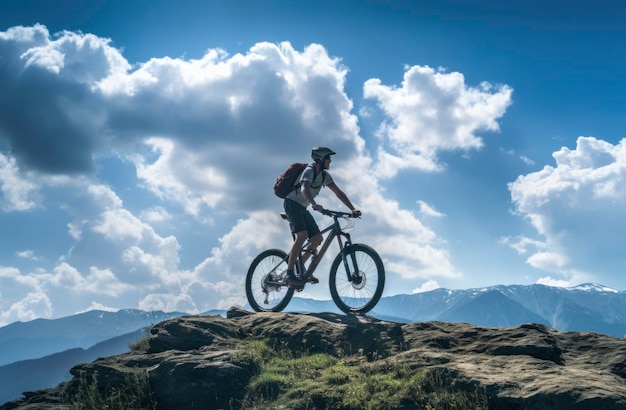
[(322, 381), (286, 379)]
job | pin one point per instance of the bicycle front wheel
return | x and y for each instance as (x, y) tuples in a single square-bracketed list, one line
[(265, 287), (359, 289)]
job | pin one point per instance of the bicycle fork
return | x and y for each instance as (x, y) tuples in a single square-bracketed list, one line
[(352, 275)]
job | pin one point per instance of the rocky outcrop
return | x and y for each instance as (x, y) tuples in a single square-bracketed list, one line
[(195, 361)]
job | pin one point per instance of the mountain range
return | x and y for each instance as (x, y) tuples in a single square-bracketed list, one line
[(583, 308), (41, 352)]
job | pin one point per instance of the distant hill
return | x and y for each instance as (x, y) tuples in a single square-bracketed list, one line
[(49, 371), (492, 307), (42, 337)]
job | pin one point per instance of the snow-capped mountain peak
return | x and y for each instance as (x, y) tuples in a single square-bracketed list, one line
[(594, 287)]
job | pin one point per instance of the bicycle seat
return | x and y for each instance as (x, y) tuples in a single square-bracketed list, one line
[(284, 216)]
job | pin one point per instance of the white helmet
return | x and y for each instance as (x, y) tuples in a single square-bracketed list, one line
[(318, 153)]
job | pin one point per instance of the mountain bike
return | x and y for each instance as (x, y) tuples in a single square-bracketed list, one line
[(356, 279)]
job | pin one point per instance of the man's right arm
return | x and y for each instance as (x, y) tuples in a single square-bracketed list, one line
[(306, 193)]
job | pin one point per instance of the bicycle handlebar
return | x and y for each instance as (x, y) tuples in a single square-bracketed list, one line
[(339, 214)]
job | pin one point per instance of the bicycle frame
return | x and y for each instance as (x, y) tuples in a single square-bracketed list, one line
[(335, 232)]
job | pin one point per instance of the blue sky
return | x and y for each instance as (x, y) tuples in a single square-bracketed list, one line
[(139, 141)]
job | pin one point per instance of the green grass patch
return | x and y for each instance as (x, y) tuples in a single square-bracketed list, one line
[(320, 380), (135, 394)]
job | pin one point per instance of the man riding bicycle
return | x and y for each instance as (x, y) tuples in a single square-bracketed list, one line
[(313, 178)]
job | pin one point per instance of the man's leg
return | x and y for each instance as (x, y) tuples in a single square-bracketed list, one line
[(313, 232), (305, 227), (295, 249), (292, 280), (296, 213), (310, 250)]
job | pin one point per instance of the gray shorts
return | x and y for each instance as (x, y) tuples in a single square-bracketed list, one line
[(301, 219)]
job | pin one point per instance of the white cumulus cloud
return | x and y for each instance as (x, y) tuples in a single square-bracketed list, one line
[(433, 111), (578, 208)]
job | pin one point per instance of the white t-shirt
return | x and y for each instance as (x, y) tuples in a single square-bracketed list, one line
[(322, 179)]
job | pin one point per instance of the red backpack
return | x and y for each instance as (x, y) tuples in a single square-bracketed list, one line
[(288, 180)]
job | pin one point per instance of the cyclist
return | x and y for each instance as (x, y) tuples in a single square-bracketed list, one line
[(311, 182)]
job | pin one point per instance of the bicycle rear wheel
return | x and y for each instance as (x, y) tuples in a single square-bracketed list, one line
[(265, 288), (363, 292)]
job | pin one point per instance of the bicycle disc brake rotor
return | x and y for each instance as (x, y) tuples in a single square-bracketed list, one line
[(360, 281)]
